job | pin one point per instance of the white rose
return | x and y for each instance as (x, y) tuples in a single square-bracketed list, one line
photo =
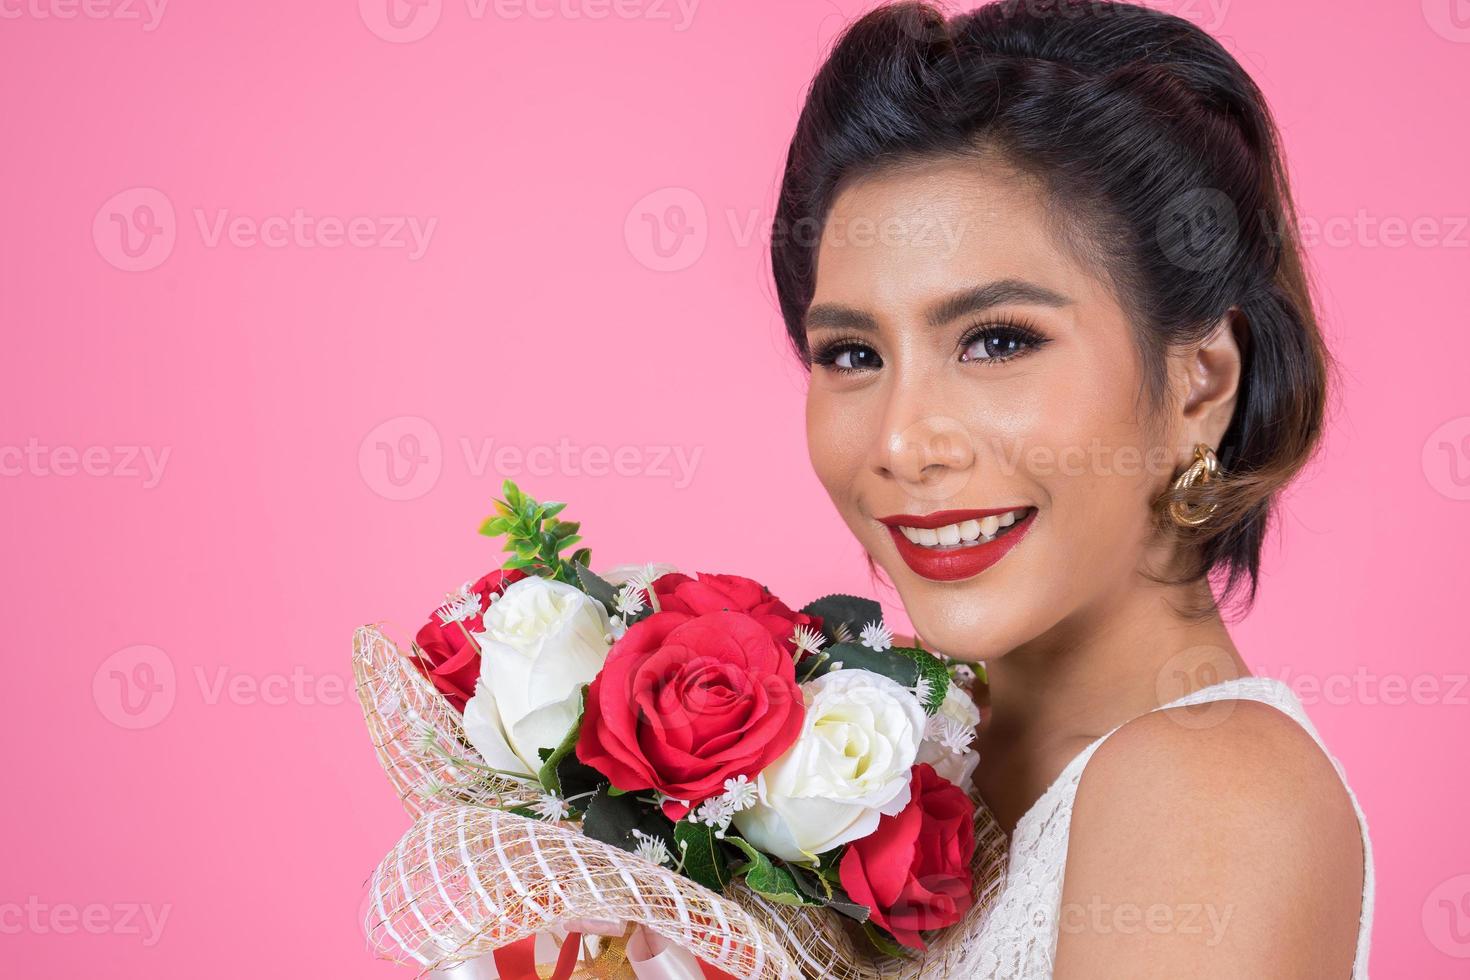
[(620, 574), (542, 640), (849, 766), (949, 736)]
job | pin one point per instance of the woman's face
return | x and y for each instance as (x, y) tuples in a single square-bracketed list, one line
[(970, 371)]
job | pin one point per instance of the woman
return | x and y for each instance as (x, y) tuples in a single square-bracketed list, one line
[(1040, 260)]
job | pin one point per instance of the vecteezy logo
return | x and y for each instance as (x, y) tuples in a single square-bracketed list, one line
[(667, 230), (1197, 230), (135, 687), (1446, 917), (135, 229), (401, 21), (1191, 670), (401, 458), (1450, 19), (1446, 459)]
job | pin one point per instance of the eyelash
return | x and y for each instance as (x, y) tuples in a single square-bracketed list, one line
[(1010, 327)]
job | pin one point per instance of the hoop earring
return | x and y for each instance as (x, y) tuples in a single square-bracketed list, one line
[(1201, 471)]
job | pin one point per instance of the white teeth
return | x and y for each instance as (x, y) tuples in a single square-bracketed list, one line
[(969, 532)]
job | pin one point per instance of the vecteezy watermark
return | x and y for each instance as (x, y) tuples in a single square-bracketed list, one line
[(566, 458), (936, 457), (406, 21), (137, 687), (1446, 459), (403, 457), (1446, 917), (149, 13), (136, 230), (1098, 917), (1198, 230), (1363, 229), (1191, 670), (1372, 689), (668, 229), (102, 462), (1450, 19), (41, 918)]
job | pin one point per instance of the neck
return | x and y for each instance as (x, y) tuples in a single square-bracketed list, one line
[(1105, 665)]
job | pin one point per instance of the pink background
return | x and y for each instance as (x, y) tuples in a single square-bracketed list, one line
[(241, 796)]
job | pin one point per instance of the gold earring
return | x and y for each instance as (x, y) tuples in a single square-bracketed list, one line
[(1201, 471)]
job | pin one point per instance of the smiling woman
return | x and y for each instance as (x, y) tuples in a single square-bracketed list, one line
[(1054, 430)]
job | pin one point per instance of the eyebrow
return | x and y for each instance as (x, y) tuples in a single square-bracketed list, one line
[(952, 307)]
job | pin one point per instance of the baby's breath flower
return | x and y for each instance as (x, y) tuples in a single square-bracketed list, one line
[(629, 600), (551, 807), (876, 636), (459, 606), (651, 848), (926, 689), (950, 732), (807, 640), (740, 793)]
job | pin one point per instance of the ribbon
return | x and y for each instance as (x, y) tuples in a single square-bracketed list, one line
[(650, 956)]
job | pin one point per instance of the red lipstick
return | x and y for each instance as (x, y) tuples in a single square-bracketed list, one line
[(961, 561)]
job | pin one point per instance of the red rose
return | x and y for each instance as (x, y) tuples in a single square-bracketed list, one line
[(678, 592), (685, 702), (447, 657), (913, 871)]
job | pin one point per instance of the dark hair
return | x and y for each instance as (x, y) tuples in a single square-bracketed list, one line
[(1153, 140)]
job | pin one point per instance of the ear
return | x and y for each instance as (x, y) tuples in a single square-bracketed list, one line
[(1208, 378)]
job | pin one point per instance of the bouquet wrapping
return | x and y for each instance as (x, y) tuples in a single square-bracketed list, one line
[(648, 774)]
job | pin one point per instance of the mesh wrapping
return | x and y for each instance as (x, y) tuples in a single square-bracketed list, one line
[(468, 878)]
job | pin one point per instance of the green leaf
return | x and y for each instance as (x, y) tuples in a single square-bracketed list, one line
[(512, 493), (553, 508), (548, 774), (494, 526), (767, 879), (612, 818), (884, 943), (854, 612), (823, 891), (704, 860), (933, 670), (854, 656), (600, 589)]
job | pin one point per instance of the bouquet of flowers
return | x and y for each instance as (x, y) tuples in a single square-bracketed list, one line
[(643, 773)]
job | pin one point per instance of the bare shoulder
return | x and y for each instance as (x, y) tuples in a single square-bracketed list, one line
[(1224, 835)]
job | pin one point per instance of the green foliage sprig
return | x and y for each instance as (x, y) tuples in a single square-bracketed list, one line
[(535, 536)]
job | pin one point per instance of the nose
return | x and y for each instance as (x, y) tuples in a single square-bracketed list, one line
[(929, 453)]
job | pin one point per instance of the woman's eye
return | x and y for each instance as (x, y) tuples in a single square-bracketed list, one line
[(999, 343), (849, 357)]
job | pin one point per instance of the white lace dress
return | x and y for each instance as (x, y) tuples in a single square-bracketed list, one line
[(1012, 934)]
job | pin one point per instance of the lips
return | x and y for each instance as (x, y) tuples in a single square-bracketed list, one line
[(950, 545)]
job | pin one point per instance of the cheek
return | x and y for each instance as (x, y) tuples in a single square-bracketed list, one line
[(1090, 454), (836, 437)]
